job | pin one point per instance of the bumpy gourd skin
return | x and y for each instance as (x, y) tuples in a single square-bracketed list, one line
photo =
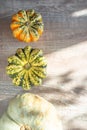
[(27, 25), (30, 112), (27, 67)]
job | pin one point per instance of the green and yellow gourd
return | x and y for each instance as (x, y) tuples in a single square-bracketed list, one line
[(27, 25), (27, 67), (30, 112)]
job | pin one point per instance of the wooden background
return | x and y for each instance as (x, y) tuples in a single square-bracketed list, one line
[(64, 42)]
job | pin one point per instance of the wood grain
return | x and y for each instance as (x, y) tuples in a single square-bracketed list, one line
[(64, 44)]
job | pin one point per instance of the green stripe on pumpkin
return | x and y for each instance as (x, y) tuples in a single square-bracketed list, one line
[(40, 72), (12, 69), (27, 51), (34, 79), (39, 62), (15, 60), (21, 54), (35, 53)]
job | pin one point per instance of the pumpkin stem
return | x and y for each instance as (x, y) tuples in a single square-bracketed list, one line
[(27, 66), (25, 127), (27, 23)]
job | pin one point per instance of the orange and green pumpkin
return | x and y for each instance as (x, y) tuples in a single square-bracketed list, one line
[(27, 67), (27, 25)]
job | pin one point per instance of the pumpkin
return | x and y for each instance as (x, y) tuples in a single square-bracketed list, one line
[(27, 67), (30, 112), (27, 25)]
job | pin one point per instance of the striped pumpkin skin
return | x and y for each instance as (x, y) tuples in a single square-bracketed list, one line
[(27, 67), (27, 25)]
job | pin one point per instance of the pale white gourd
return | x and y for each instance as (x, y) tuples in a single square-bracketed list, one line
[(30, 112)]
